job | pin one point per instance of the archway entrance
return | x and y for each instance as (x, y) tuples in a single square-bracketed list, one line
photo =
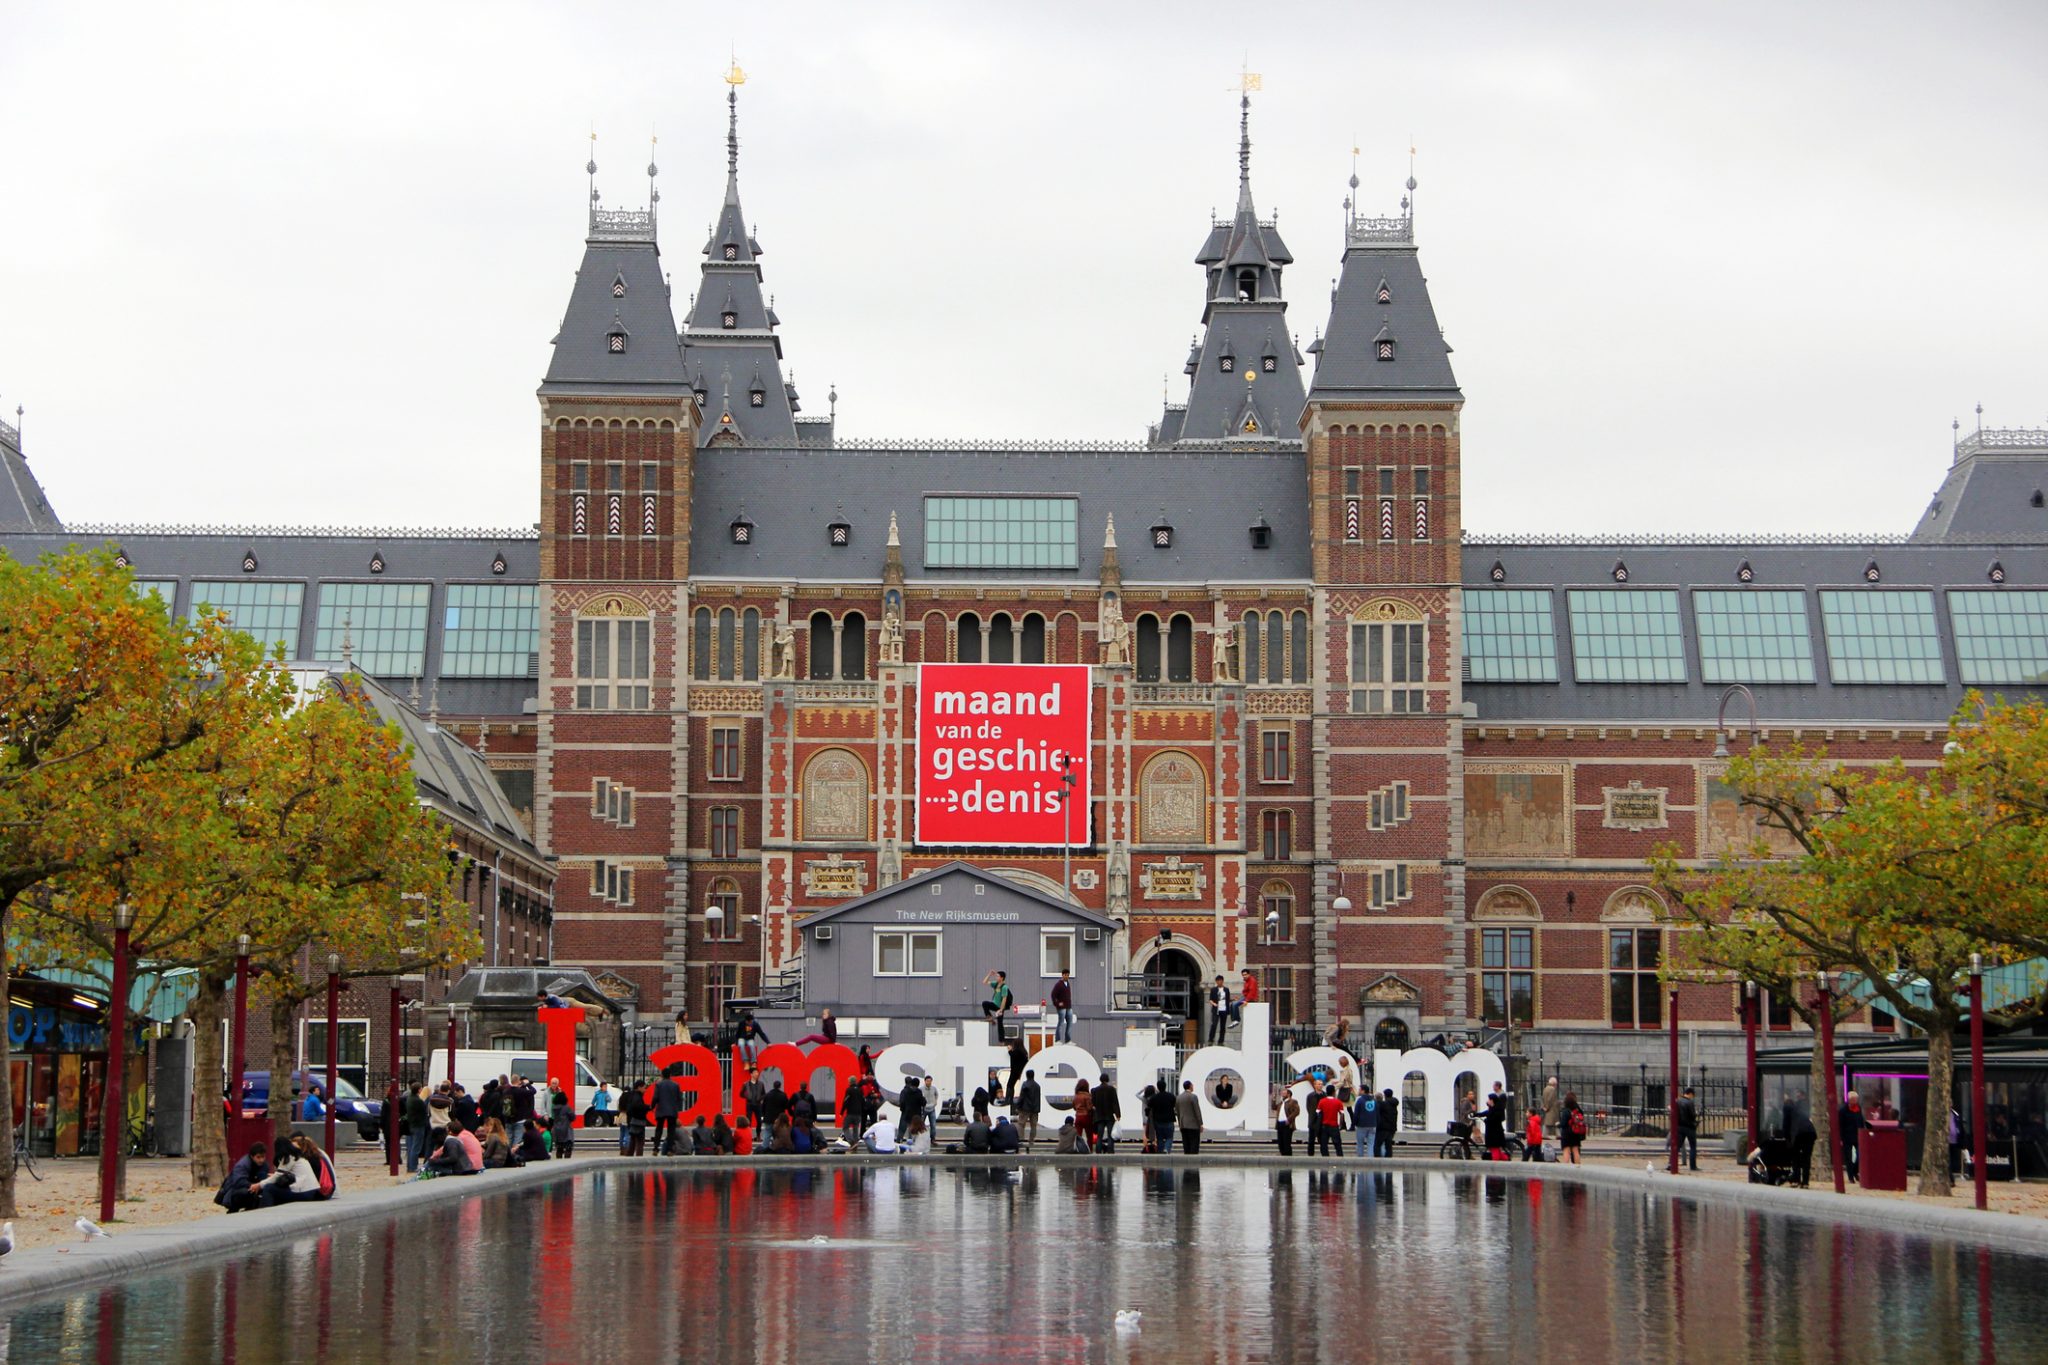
[(1173, 982), (1391, 1033)]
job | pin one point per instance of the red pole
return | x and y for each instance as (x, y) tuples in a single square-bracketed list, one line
[(241, 1045), (1977, 1077), (451, 1049), (1672, 1094), (394, 1092), (1827, 1043), (1750, 1006), (333, 1043), (113, 1125)]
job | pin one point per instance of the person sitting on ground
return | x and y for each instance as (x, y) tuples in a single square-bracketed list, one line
[(780, 1142), (1004, 1138), (703, 1142), (880, 1137), (803, 1137), (918, 1142), (323, 1165), (532, 1145), (293, 1179), (1069, 1143), (721, 1136), (979, 1135), (497, 1145), (244, 1188), (453, 1156)]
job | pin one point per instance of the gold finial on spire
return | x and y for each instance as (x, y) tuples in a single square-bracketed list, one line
[(1248, 80), (733, 74)]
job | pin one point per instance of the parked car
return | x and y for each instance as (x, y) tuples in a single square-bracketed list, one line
[(350, 1104)]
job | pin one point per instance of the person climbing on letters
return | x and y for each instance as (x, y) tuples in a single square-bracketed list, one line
[(999, 1000)]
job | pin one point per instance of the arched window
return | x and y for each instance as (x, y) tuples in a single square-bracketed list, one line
[(1148, 648), (1002, 640), (728, 622), (821, 646), (1247, 285), (1251, 646), (933, 638), (968, 650), (750, 645), (1031, 649), (1180, 650), (1276, 646), (853, 646), (725, 894), (1299, 671), (700, 646), (1173, 800), (1276, 912), (835, 798)]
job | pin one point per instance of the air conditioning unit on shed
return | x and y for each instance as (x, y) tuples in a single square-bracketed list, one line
[(1091, 934), (823, 933)]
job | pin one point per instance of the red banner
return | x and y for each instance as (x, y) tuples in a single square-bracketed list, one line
[(990, 739)]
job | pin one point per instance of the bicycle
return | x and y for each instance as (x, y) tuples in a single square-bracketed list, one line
[(1460, 1146), (24, 1155), (142, 1136)]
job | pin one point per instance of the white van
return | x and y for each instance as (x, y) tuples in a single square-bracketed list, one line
[(475, 1065)]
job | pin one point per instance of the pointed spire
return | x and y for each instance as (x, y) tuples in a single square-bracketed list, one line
[(1109, 533), (1244, 153), (734, 79), (895, 538)]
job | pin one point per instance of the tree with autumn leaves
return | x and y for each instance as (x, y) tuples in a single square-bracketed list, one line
[(1902, 873), (169, 766)]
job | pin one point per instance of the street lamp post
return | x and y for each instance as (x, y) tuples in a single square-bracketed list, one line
[(1749, 1012), (241, 1041), (1827, 1045), (333, 1048), (1672, 1089), (451, 1048), (1977, 1139), (394, 1093), (1068, 781), (112, 1126)]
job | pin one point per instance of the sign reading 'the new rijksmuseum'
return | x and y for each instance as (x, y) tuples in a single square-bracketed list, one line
[(991, 742)]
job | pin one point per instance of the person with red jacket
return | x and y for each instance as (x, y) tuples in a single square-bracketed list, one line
[(1329, 1121)]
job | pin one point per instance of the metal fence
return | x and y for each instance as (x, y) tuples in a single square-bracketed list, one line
[(1638, 1103)]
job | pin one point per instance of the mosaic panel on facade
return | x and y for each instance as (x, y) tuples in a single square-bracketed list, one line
[(1517, 811)]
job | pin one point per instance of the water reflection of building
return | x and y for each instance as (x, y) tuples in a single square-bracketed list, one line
[(1338, 738)]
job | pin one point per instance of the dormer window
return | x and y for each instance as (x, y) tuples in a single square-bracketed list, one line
[(1262, 533), (757, 398), (615, 342), (1384, 294), (1228, 362), (1247, 285), (1870, 572), (1996, 573), (840, 534), (1498, 573), (732, 251), (377, 562), (1744, 573), (1620, 572), (618, 286), (728, 320), (742, 530), (1269, 363), (1162, 535), (1384, 349)]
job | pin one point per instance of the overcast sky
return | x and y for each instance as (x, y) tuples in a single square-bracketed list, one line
[(1713, 268)]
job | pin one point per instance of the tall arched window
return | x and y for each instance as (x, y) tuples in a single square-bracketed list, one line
[(728, 624), (725, 894), (968, 650), (1276, 912), (821, 646), (1299, 671), (1002, 640), (700, 646), (1180, 650), (933, 638), (853, 646), (750, 645), (1031, 649), (1276, 646), (1252, 639), (1148, 648)]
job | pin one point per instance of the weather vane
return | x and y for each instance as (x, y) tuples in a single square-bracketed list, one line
[(733, 74), (1248, 80)]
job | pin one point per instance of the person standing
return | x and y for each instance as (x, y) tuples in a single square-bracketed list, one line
[(1532, 1137), (520, 1108), (1494, 1125), (1387, 1123), (668, 1106), (1019, 1059), (633, 1106), (753, 1094), (1573, 1133), (1689, 1129), (1852, 1133), (601, 1106), (1329, 1121), (1109, 1110), (1188, 1109), (1159, 1112), (1028, 1101), (561, 1124), (1553, 1117), (416, 1126), (1365, 1122), (775, 1107), (1315, 1112), (1287, 1121), (1084, 1114), (1063, 1009), (1219, 1010), (910, 1107)]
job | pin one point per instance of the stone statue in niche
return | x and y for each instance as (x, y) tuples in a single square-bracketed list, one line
[(1119, 879), (782, 651), (892, 639), (1116, 636), (1225, 648)]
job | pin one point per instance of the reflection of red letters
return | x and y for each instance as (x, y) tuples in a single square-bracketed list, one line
[(561, 1030), (796, 1066), (703, 1094)]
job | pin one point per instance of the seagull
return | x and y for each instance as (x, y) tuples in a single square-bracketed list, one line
[(820, 1240), (1127, 1319), (6, 1238), (90, 1230), (1649, 1168)]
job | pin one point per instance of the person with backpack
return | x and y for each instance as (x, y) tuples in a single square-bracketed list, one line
[(1389, 1116), (1365, 1122), (1574, 1132)]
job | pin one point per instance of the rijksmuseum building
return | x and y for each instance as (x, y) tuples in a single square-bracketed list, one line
[(1409, 776)]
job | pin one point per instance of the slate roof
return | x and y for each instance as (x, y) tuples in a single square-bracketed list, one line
[(1248, 332), (652, 361), (960, 869), (1997, 490), (1346, 365), (23, 505), (1210, 496), (1806, 566)]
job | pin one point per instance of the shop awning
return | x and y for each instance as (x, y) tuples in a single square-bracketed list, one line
[(2005, 986), (154, 996)]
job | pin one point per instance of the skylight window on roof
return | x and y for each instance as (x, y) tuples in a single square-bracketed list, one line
[(1887, 636), (1626, 635), (1383, 350), (268, 612), (2001, 637), (491, 630), (1001, 532), (386, 626), (732, 251), (1510, 636), (1753, 637)]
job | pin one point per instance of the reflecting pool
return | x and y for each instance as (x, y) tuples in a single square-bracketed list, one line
[(961, 1264)]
